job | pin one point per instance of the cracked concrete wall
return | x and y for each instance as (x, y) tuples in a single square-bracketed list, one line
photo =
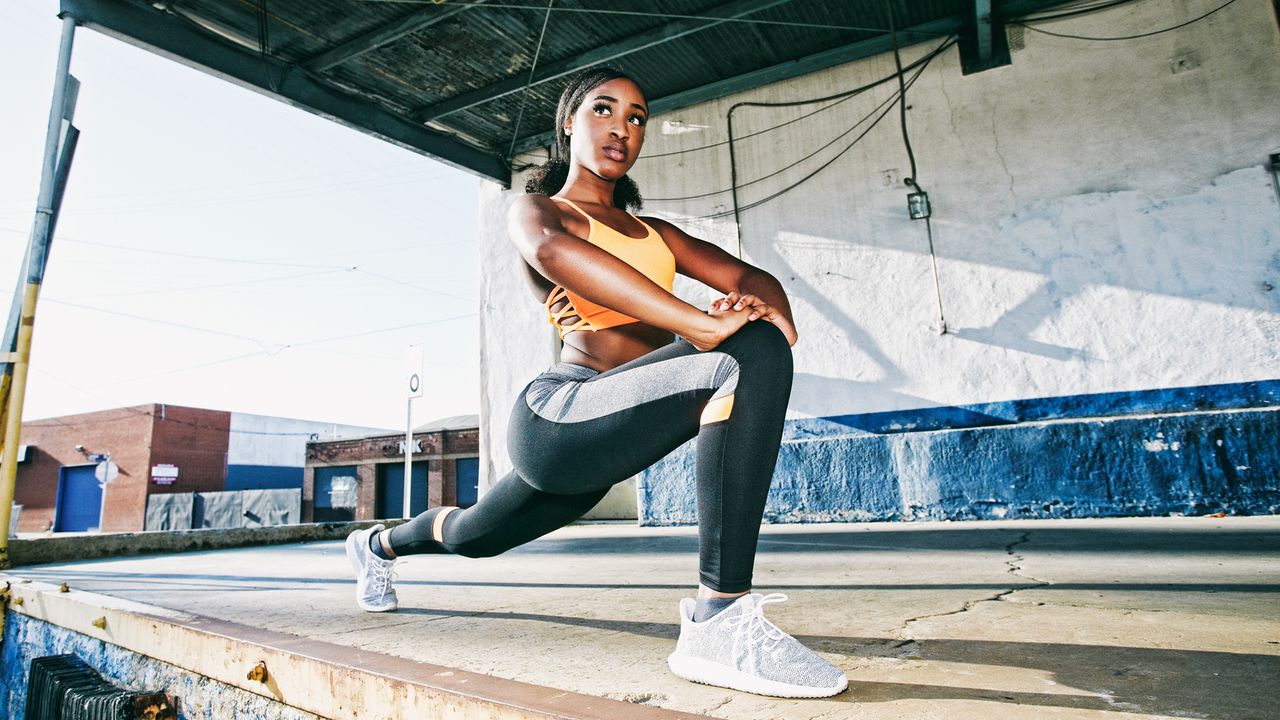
[(1104, 221)]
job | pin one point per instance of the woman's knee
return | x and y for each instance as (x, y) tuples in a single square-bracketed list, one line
[(476, 549), (761, 343)]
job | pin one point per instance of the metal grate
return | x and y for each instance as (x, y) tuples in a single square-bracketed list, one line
[(63, 687)]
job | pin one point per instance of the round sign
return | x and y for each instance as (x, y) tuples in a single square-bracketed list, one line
[(414, 383), (106, 471)]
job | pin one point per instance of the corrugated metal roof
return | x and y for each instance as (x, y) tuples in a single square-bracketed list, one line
[(448, 78)]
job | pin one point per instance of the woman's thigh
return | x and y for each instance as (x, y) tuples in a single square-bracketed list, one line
[(575, 431)]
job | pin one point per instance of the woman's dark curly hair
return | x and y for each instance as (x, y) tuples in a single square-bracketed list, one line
[(550, 178)]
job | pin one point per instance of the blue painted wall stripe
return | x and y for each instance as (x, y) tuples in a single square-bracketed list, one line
[(1188, 463), (1228, 396), (263, 477)]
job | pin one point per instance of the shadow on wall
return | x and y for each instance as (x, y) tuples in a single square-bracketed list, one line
[(1219, 245)]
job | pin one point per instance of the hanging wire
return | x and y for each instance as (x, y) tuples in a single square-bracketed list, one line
[(524, 99), (738, 209), (1076, 11), (838, 98), (911, 180), (264, 45), (1125, 37), (787, 167)]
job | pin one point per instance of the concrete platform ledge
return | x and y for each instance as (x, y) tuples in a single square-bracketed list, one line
[(38, 551), (306, 678)]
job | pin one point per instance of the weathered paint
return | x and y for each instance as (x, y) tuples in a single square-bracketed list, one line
[(1185, 463), (198, 697)]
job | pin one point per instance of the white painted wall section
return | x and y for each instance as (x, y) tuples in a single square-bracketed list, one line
[(1104, 220)]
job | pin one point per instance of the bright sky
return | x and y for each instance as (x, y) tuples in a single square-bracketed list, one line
[(221, 249)]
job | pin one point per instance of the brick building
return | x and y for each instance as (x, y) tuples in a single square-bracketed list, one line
[(363, 479), (159, 449)]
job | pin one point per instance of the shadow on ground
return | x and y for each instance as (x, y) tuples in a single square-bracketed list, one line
[(1186, 683)]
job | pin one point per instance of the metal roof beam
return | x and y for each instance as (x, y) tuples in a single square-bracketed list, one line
[(982, 20), (657, 36), (777, 73), (983, 43), (385, 35), (178, 40)]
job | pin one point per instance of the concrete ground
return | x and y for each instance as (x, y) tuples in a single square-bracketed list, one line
[(1149, 617)]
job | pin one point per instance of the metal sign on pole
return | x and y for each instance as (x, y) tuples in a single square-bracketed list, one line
[(413, 385), (60, 138)]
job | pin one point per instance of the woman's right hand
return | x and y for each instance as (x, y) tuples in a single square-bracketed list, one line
[(721, 325)]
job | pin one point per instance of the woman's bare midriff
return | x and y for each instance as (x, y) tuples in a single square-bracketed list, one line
[(605, 350)]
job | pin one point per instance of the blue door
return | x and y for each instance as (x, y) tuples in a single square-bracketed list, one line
[(468, 481), (390, 496), (79, 500)]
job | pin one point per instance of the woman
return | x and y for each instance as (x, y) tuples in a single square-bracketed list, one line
[(627, 392)]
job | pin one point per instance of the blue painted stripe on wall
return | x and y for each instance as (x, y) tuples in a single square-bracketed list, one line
[(1228, 396), (1187, 463), (263, 477)]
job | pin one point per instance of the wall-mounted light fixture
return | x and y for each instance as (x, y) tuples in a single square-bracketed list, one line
[(918, 205)]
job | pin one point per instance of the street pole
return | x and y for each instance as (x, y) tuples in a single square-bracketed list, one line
[(413, 371), (37, 253), (106, 480), (408, 453)]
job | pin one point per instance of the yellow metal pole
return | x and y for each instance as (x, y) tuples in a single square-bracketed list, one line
[(13, 421), (37, 252)]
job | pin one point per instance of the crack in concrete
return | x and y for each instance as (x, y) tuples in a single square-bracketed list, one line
[(725, 701), (995, 144), (362, 628), (1014, 565)]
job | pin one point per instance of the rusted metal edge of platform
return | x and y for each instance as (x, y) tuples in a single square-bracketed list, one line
[(325, 679)]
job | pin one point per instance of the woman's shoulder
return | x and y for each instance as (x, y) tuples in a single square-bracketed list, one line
[(536, 210), (533, 202)]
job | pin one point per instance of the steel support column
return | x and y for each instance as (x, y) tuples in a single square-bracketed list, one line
[(60, 110)]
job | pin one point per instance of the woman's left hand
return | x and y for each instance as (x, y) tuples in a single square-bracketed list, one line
[(761, 311)]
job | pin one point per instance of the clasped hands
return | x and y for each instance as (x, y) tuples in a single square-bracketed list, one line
[(734, 302)]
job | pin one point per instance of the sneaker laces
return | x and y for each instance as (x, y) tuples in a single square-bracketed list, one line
[(381, 576), (754, 627)]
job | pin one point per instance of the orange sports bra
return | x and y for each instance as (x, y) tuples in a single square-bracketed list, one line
[(648, 254)]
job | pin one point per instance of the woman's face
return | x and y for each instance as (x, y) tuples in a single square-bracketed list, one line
[(607, 130)]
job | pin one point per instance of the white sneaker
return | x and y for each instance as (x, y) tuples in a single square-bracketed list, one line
[(373, 574), (738, 648)]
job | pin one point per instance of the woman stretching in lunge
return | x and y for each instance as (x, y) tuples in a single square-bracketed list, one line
[(627, 393)]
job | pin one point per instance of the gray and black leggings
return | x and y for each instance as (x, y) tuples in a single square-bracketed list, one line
[(575, 432)]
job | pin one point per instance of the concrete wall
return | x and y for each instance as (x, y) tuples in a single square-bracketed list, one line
[(1104, 224), (270, 452)]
